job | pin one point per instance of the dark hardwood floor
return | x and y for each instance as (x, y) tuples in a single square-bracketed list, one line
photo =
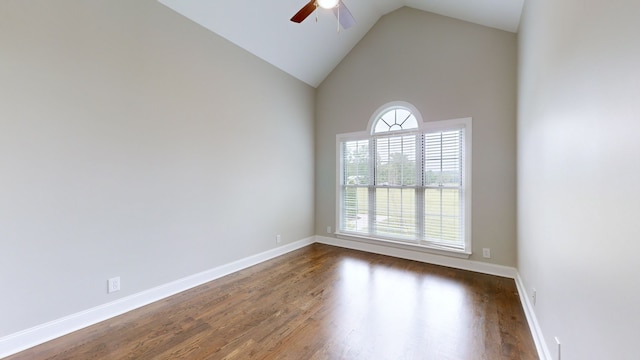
[(319, 302)]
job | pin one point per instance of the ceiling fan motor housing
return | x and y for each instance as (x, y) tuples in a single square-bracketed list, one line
[(327, 4)]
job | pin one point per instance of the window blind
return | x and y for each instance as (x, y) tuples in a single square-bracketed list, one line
[(405, 187)]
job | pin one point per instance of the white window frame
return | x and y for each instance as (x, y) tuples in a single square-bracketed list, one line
[(423, 127)]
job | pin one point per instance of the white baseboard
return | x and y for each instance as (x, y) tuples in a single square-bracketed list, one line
[(536, 331), (485, 268), (454, 262), (37, 335)]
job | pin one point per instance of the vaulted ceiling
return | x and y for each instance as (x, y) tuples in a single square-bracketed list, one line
[(310, 50)]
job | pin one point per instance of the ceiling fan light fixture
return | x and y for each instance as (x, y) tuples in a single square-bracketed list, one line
[(327, 4)]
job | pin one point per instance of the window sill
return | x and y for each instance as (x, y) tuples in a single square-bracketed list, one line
[(438, 250)]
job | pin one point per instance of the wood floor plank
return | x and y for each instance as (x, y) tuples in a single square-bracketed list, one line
[(319, 302)]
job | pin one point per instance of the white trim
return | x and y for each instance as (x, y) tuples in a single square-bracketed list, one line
[(408, 246), (534, 326), (22, 340), (454, 262), (468, 186), (424, 128), (356, 135)]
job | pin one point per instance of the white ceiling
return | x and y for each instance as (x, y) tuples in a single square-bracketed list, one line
[(309, 51)]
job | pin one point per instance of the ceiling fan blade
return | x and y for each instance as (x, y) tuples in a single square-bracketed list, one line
[(304, 12), (344, 16)]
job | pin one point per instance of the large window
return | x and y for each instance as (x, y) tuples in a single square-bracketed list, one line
[(406, 181)]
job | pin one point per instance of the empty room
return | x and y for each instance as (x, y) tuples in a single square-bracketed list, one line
[(382, 179)]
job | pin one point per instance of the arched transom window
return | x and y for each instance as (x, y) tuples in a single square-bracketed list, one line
[(394, 119)]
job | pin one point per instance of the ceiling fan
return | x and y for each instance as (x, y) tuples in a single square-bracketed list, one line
[(339, 10)]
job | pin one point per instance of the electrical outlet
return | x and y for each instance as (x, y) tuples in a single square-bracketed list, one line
[(559, 349), (113, 284), (328, 229), (534, 297), (278, 239), (486, 253)]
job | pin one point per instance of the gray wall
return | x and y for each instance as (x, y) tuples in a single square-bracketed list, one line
[(448, 69), (578, 173), (135, 143)]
